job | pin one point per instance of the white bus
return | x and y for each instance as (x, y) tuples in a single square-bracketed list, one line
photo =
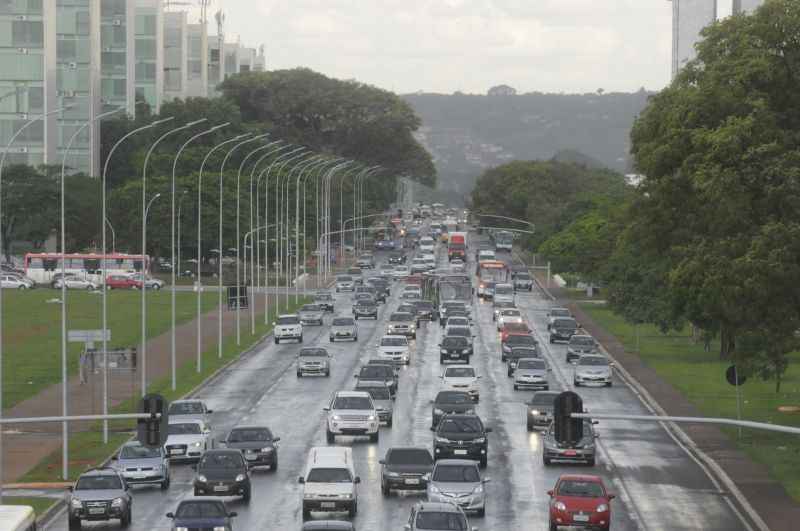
[(41, 267), (17, 518)]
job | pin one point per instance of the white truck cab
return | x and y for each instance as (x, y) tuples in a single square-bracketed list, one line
[(329, 481)]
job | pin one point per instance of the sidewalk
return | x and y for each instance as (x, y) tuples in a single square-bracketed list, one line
[(768, 497)]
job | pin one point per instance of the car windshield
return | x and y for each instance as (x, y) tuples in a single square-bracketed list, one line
[(543, 399), (329, 475), (593, 360), (583, 341), (352, 402), (454, 342), (249, 435), (343, 321), (201, 509), (289, 320), (409, 456), (314, 353), (458, 321), (503, 304), (344, 278), (502, 289), (324, 297), (424, 305), (453, 397), (459, 372), (580, 489), (511, 313), (441, 521), (376, 372), (523, 276), (365, 299), (520, 340), (311, 308), (524, 353), (186, 408), (401, 317), (533, 364), (394, 342), (226, 460), (104, 482), (139, 452), (185, 428), (458, 331), (377, 393), (560, 312), (456, 473)]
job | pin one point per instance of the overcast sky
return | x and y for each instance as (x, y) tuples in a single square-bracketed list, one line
[(467, 45)]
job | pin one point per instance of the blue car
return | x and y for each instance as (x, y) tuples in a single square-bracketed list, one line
[(202, 514), (384, 245)]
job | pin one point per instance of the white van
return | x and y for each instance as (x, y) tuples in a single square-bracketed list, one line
[(329, 481), (504, 293), (17, 518)]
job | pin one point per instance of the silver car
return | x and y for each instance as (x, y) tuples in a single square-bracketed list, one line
[(531, 373), (140, 465), (345, 283), (343, 328), (383, 400), (592, 370), (458, 481), (580, 345), (312, 314), (313, 360), (540, 409)]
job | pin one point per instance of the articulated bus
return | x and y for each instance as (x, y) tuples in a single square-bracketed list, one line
[(41, 267), (495, 271), (17, 518)]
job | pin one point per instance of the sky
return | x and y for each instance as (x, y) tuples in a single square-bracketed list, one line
[(571, 46)]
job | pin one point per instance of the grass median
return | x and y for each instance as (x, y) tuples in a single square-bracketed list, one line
[(700, 377), (87, 448)]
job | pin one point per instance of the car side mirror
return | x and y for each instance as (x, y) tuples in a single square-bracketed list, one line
[(114, 458), (550, 493), (170, 515), (326, 408), (357, 479), (233, 514), (209, 411), (382, 461), (276, 439), (488, 430), (301, 480), (611, 497)]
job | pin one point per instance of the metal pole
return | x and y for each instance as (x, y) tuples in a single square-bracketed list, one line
[(738, 398), (113, 237), (301, 169), (306, 171), (280, 230), (180, 205)]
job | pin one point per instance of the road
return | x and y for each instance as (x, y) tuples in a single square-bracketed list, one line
[(659, 485)]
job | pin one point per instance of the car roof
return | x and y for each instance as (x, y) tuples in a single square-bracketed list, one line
[(450, 392), (352, 393), (186, 401), (580, 477), (459, 367), (455, 462), (287, 315), (335, 525), (437, 507), (101, 471), (250, 427), (185, 421), (396, 336)]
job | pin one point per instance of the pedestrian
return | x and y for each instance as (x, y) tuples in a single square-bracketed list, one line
[(82, 367)]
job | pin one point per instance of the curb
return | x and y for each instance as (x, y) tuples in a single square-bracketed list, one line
[(50, 513)]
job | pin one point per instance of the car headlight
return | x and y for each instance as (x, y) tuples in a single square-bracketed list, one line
[(201, 478), (267, 449), (535, 412), (470, 411), (435, 489), (602, 508), (478, 489), (182, 529), (437, 411), (220, 528), (240, 478), (465, 351), (443, 351), (560, 506), (197, 444), (346, 496), (336, 417), (392, 474), (117, 502), (76, 503), (442, 439), (372, 417), (479, 440), (308, 496)]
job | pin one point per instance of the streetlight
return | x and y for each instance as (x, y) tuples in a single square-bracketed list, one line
[(180, 204), (316, 209), (113, 236)]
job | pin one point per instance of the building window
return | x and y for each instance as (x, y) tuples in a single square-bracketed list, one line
[(27, 34), (145, 72), (145, 49)]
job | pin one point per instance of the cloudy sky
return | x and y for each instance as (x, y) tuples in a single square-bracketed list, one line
[(467, 45)]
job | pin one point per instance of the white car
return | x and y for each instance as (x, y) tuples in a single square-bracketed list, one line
[(592, 370), (461, 378), (504, 292), (288, 326), (187, 439), (394, 348), (401, 271), (509, 315), (419, 265), (190, 409), (329, 481), (486, 254), (345, 283), (352, 413), (427, 245), (73, 282), (458, 266), (14, 282)]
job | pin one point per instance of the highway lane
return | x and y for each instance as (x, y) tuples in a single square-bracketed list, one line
[(659, 486)]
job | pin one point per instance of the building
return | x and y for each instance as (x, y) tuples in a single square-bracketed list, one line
[(150, 52), (689, 17), (216, 65), (744, 6), (260, 64), (197, 63), (176, 43), (117, 68)]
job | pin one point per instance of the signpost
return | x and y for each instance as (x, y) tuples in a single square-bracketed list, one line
[(736, 380)]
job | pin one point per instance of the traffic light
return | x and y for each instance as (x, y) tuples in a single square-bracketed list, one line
[(152, 432), (567, 430)]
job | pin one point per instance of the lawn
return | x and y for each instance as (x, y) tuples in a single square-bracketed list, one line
[(39, 504), (32, 330), (700, 376)]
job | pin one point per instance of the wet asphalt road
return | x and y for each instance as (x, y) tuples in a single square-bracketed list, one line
[(659, 486)]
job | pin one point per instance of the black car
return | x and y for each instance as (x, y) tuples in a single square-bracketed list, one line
[(426, 311), (516, 340), (378, 373), (365, 308), (461, 437), (326, 300), (450, 402), (397, 257), (405, 469), (455, 348), (384, 289), (257, 444), (562, 329), (517, 353), (202, 514), (222, 473)]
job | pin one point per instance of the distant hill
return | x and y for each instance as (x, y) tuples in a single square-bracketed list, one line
[(468, 133)]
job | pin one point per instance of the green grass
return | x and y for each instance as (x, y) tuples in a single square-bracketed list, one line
[(87, 448), (700, 376), (32, 330), (40, 505)]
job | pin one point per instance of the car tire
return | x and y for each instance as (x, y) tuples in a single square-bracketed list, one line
[(530, 426), (375, 437), (510, 372), (552, 340), (608, 384), (328, 373), (546, 461), (355, 317), (385, 489), (306, 513), (74, 523), (355, 339), (23, 287), (330, 437), (331, 340), (196, 493), (246, 495), (274, 466), (441, 360), (277, 341), (576, 383), (530, 288), (88, 288), (125, 519), (300, 340), (483, 461), (590, 462), (516, 387), (353, 509), (553, 527), (389, 422), (165, 484), (482, 512), (299, 374)]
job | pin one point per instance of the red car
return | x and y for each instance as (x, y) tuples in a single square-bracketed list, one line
[(514, 328), (580, 501), (123, 282)]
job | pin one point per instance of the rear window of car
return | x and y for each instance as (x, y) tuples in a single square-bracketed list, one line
[(401, 317), (344, 278), (290, 320), (543, 399), (343, 321), (565, 323)]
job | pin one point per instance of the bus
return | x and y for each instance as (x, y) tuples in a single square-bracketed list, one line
[(503, 240), (495, 271), (17, 518), (41, 267)]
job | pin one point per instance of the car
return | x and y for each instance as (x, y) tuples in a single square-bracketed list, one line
[(8, 281), (140, 465), (581, 500), (419, 265), (486, 289), (580, 345), (288, 326), (562, 329), (447, 307), (413, 288), (427, 245), (150, 282), (433, 516), (345, 283), (384, 245), (343, 328), (186, 439), (404, 324), (507, 316), (99, 494), (518, 353), (540, 409), (426, 311), (516, 340), (365, 290), (366, 261), (123, 282), (523, 281), (457, 321), (326, 300), (327, 525), (411, 295), (189, 409), (556, 313), (455, 348), (383, 400), (223, 472), (352, 413), (71, 281), (377, 292), (592, 369), (457, 265), (401, 272), (312, 314), (365, 308), (257, 443), (430, 261), (584, 451), (202, 514), (379, 374), (450, 402), (356, 273), (458, 481), (503, 292), (486, 254), (497, 307), (407, 307), (514, 328), (405, 468), (329, 481), (313, 360), (397, 257), (461, 331), (461, 378), (382, 287), (394, 348), (386, 271), (531, 373), (461, 436)]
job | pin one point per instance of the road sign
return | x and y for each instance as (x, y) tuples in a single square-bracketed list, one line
[(735, 377), (88, 336)]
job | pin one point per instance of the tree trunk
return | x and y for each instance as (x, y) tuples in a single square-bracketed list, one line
[(777, 382), (727, 343)]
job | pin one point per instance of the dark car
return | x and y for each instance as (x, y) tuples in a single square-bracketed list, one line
[(455, 348), (397, 257), (222, 473), (405, 469), (383, 374), (202, 514), (364, 308), (517, 353), (584, 450), (99, 495), (426, 311), (461, 437), (562, 329), (450, 402), (516, 340), (384, 289), (326, 300), (257, 444)]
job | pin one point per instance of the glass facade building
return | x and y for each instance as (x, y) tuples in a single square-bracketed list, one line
[(196, 61), (117, 65), (689, 17), (149, 52), (744, 6), (175, 55)]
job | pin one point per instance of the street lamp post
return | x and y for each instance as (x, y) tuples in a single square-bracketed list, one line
[(113, 237), (180, 219)]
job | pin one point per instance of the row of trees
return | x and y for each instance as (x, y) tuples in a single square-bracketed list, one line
[(711, 235)]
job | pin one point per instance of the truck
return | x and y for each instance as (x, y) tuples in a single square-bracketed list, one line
[(457, 246)]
